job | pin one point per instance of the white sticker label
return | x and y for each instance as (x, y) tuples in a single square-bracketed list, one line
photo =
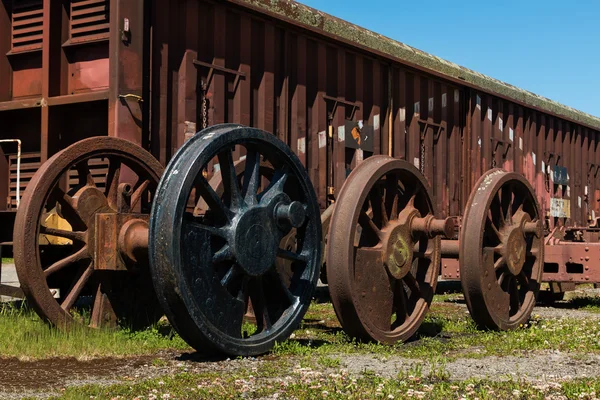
[(431, 104), (520, 143), (376, 122), (402, 113), (489, 114), (479, 142), (585, 191), (341, 133), (543, 167), (579, 201), (511, 134), (416, 162), (456, 96), (533, 157), (568, 191), (322, 139), (551, 173), (302, 145), (444, 100), (500, 124), (417, 108)]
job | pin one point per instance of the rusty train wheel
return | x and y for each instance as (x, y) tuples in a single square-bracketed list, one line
[(381, 266), (208, 262), (95, 250), (501, 251)]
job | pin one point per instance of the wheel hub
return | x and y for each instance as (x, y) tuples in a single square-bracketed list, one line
[(256, 241), (515, 250), (398, 247)]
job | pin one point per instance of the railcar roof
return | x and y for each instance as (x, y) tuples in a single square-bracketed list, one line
[(332, 26)]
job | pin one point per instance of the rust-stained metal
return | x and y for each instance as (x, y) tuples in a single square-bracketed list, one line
[(105, 223), (501, 251), (384, 251)]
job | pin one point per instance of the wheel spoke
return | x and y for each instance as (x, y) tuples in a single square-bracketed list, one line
[(493, 228), (274, 276), (523, 280), (391, 196), (68, 210), (65, 262), (259, 304), (277, 184), (84, 174), (413, 285), (138, 191), (194, 223), (499, 263), (69, 301), (367, 224), (400, 303), (212, 199), (290, 255), (225, 254), (72, 235), (231, 274), (378, 207), (112, 182), (231, 187), (514, 295), (251, 177)]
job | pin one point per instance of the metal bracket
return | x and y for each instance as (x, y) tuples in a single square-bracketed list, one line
[(131, 96), (500, 142), (427, 124), (211, 72), (591, 166), (550, 155), (337, 102)]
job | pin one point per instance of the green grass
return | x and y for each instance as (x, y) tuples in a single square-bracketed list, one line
[(8, 260), (447, 332), (25, 336), (299, 382)]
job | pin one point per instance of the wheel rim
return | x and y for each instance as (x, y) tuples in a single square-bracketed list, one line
[(382, 273), (121, 295), (501, 251), (204, 288)]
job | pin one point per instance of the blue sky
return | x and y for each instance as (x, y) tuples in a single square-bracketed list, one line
[(549, 47)]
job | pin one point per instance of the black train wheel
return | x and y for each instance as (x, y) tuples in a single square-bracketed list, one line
[(501, 251), (210, 261)]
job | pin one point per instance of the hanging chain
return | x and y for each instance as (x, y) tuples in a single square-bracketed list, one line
[(493, 160), (422, 166), (204, 112), (204, 106)]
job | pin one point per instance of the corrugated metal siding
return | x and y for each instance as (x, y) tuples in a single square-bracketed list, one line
[(304, 87)]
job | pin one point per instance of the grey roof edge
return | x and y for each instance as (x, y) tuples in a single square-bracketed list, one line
[(330, 25)]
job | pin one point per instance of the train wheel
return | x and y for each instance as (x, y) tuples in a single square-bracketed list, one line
[(383, 251), (210, 260), (81, 235), (501, 251)]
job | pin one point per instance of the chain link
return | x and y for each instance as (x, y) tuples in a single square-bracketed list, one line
[(493, 160), (422, 166), (204, 111)]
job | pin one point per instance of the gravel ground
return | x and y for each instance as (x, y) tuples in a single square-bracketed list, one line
[(45, 378)]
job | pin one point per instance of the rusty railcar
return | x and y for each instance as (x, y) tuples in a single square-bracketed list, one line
[(157, 72)]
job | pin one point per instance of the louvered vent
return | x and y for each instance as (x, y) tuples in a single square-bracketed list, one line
[(27, 25), (89, 20)]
